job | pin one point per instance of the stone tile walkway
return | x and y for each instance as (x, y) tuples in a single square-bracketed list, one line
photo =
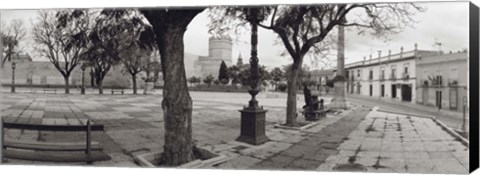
[(386, 142), (310, 152)]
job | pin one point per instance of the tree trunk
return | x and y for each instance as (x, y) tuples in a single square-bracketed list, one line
[(292, 95), (169, 27), (134, 81), (177, 103), (67, 84), (92, 78), (100, 85)]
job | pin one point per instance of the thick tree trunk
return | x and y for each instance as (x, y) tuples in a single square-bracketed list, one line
[(292, 95), (177, 103), (67, 84), (169, 27), (134, 81)]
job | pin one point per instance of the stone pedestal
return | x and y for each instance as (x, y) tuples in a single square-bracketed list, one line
[(252, 129), (338, 101)]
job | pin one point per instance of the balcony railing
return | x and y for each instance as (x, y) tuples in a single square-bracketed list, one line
[(381, 78), (405, 76), (453, 83), (393, 77)]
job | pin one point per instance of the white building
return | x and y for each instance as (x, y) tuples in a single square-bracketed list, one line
[(392, 76)]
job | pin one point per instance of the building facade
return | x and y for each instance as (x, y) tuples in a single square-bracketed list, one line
[(392, 76), (442, 81)]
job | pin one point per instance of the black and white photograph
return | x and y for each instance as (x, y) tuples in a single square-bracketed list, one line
[(370, 87)]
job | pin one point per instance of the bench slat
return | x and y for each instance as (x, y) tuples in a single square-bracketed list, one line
[(41, 146), (50, 157), (42, 127)]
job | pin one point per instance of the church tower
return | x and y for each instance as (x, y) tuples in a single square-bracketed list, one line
[(239, 60)]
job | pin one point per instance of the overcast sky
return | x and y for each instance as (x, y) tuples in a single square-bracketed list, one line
[(445, 22)]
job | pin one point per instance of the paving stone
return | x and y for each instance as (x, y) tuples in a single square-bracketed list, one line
[(449, 165), (304, 164), (282, 159), (240, 162)]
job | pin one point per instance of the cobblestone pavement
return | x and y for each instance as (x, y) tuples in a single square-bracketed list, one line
[(134, 124)]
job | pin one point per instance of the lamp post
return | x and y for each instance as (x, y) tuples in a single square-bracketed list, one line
[(82, 90), (13, 76), (252, 130)]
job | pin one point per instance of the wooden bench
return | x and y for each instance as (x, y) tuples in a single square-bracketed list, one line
[(49, 90), (117, 90), (321, 113), (87, 151)]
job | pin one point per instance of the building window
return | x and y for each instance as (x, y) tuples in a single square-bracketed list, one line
[(453, 76), (370, 75), (405, 76), (393, 74), (382, 73), (358, 73), (438, 80), (382, 90)]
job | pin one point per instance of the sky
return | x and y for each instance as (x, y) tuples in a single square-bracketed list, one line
[(444, 22)]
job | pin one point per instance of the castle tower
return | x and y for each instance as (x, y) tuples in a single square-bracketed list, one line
[(220, 49)]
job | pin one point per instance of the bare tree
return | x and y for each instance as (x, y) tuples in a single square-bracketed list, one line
[(61, 36), (169, 26), (301, 28), (137, 41), (12, 36), (105, 46)]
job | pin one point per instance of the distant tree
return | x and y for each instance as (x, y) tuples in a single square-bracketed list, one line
[(61, 37), (282, 87), (12, 36), (277, 76), (137, 41), (233, 73), (263, 75), (192, 80), (104, 46), (216, 82), (223, 73), (208, 80), (198, 80)]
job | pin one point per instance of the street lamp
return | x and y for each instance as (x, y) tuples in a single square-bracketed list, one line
[(13, 76), (252, 128), (82, 90)]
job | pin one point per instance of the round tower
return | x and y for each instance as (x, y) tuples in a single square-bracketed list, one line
[(220, 49)]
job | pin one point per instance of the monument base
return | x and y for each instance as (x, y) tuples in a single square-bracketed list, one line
[(252, 129), (338, 101)]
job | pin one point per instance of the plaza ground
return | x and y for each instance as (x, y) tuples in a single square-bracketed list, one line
[(378, 141)]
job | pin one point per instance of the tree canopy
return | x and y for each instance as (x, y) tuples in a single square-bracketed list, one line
[(12, 35)]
